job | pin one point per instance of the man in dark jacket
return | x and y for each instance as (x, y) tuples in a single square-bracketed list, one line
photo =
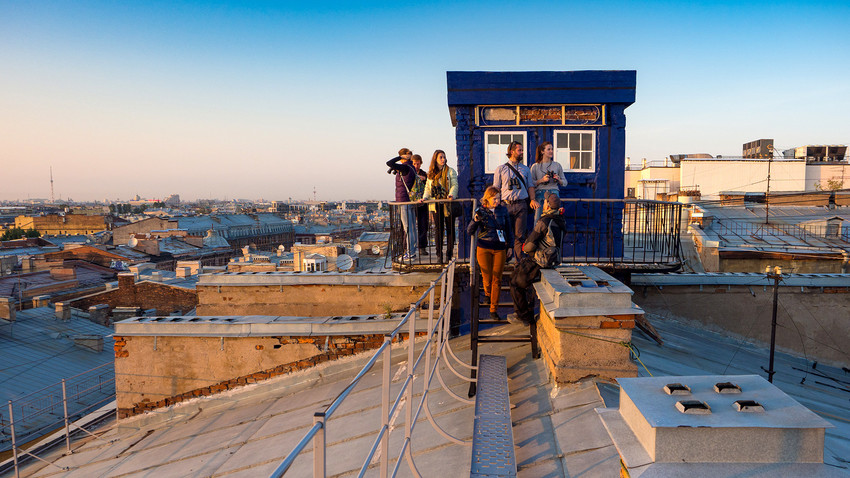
[(543, 247)]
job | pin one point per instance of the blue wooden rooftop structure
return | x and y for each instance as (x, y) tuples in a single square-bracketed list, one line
[(582, 113)]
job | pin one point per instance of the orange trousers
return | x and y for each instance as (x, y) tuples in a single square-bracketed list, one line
[(492, 263)]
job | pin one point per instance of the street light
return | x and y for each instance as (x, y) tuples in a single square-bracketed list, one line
[(776, 275)]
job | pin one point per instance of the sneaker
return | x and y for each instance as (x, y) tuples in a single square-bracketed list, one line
[(425, 253), (514, 319), (408, 257), (495, 316)]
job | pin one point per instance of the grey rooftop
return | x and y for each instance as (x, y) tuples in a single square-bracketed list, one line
[(557, 432)]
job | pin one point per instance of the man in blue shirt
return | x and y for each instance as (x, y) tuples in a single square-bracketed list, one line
[(513, 179)]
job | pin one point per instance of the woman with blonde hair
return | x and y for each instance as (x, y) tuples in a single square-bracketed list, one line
[(491, 222), (442, 184), (546, 175)]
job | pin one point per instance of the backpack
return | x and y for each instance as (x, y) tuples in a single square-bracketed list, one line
[(549, 257)]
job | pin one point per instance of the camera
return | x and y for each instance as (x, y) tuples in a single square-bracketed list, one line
[(476, 215), (392, 171)]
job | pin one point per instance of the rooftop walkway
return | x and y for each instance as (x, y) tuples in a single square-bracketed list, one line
[(246, 432)]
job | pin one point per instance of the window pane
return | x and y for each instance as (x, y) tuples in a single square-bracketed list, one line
[(574, 142), (518, 138), (586, 142), (585, 160), (492, 139), (505, 138), (560, 141), (574, 158)]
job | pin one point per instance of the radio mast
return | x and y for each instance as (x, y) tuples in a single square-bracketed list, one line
[(52, 200)]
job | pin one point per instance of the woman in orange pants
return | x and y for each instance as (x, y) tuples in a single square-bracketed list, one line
[(491, 223)]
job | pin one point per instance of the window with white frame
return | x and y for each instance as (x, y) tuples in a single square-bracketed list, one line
[(576, 150), (496, 147)]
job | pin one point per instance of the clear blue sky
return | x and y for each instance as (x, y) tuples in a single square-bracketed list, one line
[(270, 99)]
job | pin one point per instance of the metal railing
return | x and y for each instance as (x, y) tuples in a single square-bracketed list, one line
[(55, 406), (619, 233), (435, 345), (436, 244), (804, 232)]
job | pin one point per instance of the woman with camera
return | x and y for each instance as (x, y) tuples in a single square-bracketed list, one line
[(492, 224), (547, 175), (442, 184)]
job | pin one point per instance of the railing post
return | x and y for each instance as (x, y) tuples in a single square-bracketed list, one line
[(65, 410), (408, 429), (385, 406), (319, 456), (14, 443)]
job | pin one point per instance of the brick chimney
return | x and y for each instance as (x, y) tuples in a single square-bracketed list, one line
[(7, 309)]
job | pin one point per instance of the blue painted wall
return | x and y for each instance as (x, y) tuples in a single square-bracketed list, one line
[(595, 230)]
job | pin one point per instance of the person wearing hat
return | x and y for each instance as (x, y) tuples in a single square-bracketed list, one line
[(543, 247)]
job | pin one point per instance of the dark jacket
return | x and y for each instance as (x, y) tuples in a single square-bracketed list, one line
[(544, 241), (487, 225), (403, 180)]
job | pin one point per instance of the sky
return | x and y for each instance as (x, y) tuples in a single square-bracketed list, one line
[(271, 100)]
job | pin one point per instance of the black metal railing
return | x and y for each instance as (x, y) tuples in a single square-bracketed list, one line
[(622, 233), (439, 233), (762, 231), (613, 233)]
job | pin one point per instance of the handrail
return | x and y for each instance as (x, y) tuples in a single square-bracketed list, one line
[(435, 341)]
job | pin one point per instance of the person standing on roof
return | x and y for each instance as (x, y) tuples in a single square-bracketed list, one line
[(442, 184), (547, 175), (405, 177), (544, 248), (513, 179)]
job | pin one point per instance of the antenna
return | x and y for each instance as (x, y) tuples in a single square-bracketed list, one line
[(52, 200), (314, 193)]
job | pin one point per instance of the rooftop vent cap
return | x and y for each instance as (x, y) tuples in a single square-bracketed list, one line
[(726, 387), (749, 406), (693, 407), (677, 389)]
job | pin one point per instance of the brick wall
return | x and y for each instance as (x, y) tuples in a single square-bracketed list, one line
[(140, 392), (147, 295)]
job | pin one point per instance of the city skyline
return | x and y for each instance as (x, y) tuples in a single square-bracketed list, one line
[(247, 100)]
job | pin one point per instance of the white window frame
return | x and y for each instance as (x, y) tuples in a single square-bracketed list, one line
[(504, 157), (565, 161)]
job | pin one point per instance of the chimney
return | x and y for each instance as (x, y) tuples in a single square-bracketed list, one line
[(40, 301), (7, 309), (156, 276), (63, 273), (126, 280), (63, 310), (183, 272), (99, 314)]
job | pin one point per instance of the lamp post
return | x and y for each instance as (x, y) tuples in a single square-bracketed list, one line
[(776, 275)]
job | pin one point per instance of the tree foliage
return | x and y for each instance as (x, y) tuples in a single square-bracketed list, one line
[(18, 233)]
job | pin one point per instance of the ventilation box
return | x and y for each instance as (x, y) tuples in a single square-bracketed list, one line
[(673, 424)]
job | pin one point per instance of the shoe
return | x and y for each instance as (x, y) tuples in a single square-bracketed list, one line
[(514, 319), (408, 257), (425, 253), (495, 316)]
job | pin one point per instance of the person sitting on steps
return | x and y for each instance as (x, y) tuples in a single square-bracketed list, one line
[(543, 247)]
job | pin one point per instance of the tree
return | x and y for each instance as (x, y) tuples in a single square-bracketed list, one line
[(831, 185), (18, 233)]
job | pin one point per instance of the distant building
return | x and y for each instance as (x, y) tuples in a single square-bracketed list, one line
[(760, 148), (64, 224)]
